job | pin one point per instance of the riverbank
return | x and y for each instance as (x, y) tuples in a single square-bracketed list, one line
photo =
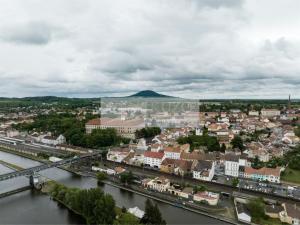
[(94, 199), (25, 155), (11, 166)]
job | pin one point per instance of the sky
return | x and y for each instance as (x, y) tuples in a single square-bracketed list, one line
[(198, 49)]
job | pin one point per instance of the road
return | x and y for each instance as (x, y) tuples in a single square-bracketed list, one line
[(214, 186)]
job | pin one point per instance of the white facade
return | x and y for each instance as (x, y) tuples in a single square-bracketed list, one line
[(172, 155), (154, 159), (232, 168), (206, 174), (270, 112)]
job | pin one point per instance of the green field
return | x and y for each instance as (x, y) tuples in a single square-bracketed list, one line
[(290, 175)]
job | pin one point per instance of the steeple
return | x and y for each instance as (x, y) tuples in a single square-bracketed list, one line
[(289, 103)]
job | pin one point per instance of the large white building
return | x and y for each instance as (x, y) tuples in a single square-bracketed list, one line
[(270, 112), (153, 159), (172, 152), (231, 165), (124, 127)]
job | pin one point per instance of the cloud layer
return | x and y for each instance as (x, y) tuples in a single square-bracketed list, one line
[(188, 48)]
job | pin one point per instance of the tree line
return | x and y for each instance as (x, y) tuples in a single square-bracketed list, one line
[(100, 208)]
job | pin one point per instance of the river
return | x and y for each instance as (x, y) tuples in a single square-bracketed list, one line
[(30, 207)]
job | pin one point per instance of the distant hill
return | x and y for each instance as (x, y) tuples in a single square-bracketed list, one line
[(149, 94)]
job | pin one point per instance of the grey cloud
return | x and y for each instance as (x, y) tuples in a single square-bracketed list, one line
[(32, 33)]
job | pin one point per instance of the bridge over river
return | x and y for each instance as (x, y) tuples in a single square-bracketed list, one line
[(35, 169)]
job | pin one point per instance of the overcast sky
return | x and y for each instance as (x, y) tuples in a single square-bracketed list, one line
[(187, 48)]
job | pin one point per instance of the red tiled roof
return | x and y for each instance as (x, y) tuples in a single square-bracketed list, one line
[(263, 171), (158, 155)]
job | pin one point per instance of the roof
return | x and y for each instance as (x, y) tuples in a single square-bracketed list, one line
[(158, 155), (203, 165), (242, 208), (292, 210), (232, 157), (115, 122), (263, 171), (273, 209), (183, 164), (172, 149)]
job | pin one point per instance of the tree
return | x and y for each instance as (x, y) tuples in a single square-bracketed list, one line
[(257, 209), (223, 148), (127, 219), (235, 182), (237, 142), (152, 214), (257, 164), (127, 178), (148, 132), (101, 176)]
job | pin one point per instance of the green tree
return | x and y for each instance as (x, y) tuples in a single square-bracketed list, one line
[(127, 178), (101, 176), (223, 148), (235, 182), (152, 214), (257, 164), (257, 209), (237, 142)]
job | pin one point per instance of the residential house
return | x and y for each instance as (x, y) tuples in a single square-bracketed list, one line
[(232, 165), (263, 174), (117, 154), (290, 214), (204, 170), (186, 192), (243, 213), (50, 140), (270, 112), (160, 184), (176, 166), (153, 159), (206, 196), (172, 152)]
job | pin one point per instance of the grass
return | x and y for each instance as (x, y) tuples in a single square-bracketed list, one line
[(271, 221), (290, 175), (10, 165)]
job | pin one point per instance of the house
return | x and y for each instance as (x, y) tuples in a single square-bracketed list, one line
[(141, 145), (117, 154), (270, 112), (232, 165), (50, 140), (160, 184), (156, 147), (243, 212), (253, 113), (176, 189), (153, 159), (204, 170), (263, 174), (206, 196), (259, 150), (290, 214), (176, 166), (172, 152), (273, 210)]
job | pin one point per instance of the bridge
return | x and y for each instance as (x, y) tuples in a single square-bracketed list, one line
[(32, 170)]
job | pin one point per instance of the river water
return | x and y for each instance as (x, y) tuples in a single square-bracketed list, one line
[(30, 207)]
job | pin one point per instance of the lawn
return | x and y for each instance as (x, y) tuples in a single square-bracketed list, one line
[(290, 175)]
